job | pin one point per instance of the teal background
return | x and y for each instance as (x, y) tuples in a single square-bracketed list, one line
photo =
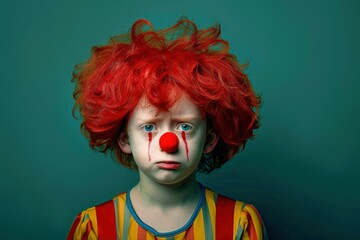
[(302, 170)]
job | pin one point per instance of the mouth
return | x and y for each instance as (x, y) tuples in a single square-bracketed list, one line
[(169, 165)]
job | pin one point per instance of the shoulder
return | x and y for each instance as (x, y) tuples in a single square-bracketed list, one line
[(84, 226), (246, 219), (86, 223), (250, 223)]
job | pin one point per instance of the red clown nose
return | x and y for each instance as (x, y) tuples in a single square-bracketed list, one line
[(169, 142)]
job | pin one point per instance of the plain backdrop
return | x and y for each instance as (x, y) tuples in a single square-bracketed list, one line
[(302, 169)]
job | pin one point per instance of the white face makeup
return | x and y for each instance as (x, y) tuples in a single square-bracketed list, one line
[(145, 127)]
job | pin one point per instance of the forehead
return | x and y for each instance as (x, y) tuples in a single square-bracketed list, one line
[(183, 107)]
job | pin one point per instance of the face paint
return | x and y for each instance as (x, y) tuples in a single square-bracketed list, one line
[(186, 145), (150, 138)]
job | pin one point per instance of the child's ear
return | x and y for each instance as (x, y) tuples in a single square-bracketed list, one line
[(210, 141), (123, 142)]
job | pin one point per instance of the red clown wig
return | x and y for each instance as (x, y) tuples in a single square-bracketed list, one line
[(162, 66)]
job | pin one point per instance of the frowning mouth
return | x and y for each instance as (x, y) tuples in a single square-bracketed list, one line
[(169, 165)]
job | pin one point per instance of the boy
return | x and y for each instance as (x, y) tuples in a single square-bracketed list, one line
[(168, 103)]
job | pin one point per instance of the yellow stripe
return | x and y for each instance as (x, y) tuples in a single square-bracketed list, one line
[(180, 236), (237, 216), (255, 220), (149, 236), (92, 215), (133, 229), (199, 227), (92, 236), (212, 208), (88, 215), (245, 236), (159, 238), (81, 227), (121, 206)]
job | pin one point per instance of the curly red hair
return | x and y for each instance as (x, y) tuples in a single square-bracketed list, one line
[(162, 66)]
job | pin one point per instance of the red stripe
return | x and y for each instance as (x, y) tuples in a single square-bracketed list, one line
[(106, 222), (224, 217), (189, 235), (141, 233), (88, 230), (257, 213), (251, 227), (73, 227)]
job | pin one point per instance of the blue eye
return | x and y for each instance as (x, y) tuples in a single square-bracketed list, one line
[(149, 128), (185, 127)]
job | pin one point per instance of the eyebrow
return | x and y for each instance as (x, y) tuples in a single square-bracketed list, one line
[(187, 118), (149, 119)]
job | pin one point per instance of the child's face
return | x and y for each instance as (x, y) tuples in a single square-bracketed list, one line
[(145, 127)]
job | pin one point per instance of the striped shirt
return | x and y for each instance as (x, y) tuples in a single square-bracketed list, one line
[(247, 223)]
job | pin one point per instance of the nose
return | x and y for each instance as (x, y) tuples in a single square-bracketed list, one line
[(169, 142)]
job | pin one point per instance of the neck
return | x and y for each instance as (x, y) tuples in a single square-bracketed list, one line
[(167, 195)]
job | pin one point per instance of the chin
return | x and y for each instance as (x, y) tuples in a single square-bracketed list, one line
[(172, 180)]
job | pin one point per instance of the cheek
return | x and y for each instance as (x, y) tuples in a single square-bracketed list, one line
[(194, 146), (140, 145), (183, 135)]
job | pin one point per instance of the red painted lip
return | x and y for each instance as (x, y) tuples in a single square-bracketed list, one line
[(170, 165)]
